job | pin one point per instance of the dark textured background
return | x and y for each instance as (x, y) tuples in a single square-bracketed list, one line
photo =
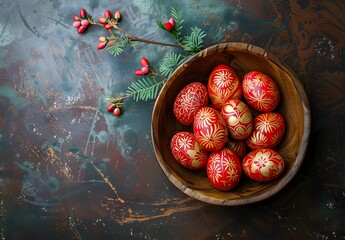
[(70, 170)]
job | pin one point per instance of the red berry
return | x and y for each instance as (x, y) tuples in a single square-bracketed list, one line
[(108, 26), (168, 26), (76, 24), (138, 72), (101, 45), (81, 29), (111, 107), (102, 20), (75, 18), (144, 62), (117, 111), (107, 14), (85, 23), (145, 70), (83, 13)]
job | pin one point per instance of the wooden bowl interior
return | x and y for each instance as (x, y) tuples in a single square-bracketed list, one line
[(198, 68)]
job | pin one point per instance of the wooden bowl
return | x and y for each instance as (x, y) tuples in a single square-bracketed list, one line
[(294, 107)]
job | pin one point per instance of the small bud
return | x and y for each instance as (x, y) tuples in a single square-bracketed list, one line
[(75, 18), (102, 38), (117, 16), (108, 27), (85, 23), (83, 13), (101, 45), (102, 20), (107, 14), (172, 21), (168, 26), (111, 107), (76, 24), (144, 62), (138, 72), (81, 29), (145, 70)]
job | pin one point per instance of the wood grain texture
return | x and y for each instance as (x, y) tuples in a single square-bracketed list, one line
[(294, 107)]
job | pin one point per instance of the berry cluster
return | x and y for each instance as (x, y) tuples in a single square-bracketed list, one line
[(145, 68), (81, 22), (108, 21), (114, 109)]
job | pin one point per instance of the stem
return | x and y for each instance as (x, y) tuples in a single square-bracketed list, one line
[(157, 43), (160, 76), (134, 38)]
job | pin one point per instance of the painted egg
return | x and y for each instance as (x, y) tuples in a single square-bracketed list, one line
[(260, 91), (223, 85), (224, 169), (210, 129), (238, 119), (263, 165), (187, 151), (239, 147), (269, 129), (188, 101)]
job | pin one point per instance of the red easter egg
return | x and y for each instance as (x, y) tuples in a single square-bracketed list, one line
[(239, 147), (210, 129), (263, 165), (238, 118), (224, 169), (269, 129), (187, 151), (260, 91), (189, 100), (223, 85)]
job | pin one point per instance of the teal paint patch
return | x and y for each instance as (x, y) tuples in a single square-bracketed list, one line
[(106, 160), (56, 144), (83, 165), (102, 136), (102, 167), (12, 95), (26, 166), (53, 184)]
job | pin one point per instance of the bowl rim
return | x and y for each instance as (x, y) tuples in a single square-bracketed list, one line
[(239, 46)]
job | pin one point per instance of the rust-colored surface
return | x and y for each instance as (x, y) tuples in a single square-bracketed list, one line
[(70, 170)]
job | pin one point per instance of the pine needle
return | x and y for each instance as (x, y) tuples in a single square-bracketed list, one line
[(145, 89)]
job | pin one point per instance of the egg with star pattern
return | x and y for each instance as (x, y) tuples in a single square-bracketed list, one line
[(188, 101), (260, 91), (224, 169), (209, 129), (187, 151), (223, 85), (268, 131)]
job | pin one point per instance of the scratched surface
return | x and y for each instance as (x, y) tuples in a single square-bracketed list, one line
[(70, 170)]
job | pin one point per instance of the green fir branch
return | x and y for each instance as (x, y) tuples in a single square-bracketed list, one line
[(177, 31), (145, 88), (170, 62), (194, 42), (118, 43)]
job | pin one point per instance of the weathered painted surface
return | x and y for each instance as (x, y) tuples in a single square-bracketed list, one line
[(70, 170)]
